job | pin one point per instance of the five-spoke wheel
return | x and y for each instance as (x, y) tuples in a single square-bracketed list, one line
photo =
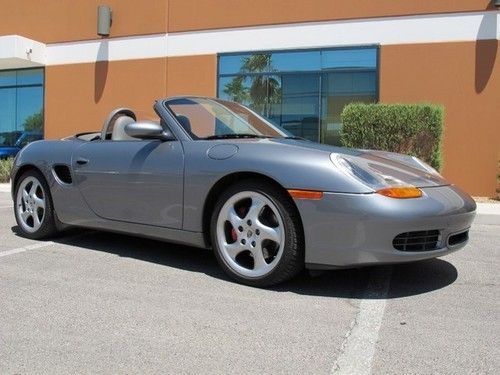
[(33, 206), (256, 234)]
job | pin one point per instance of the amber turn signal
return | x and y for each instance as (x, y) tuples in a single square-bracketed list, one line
[(401, 192), (306, 194)]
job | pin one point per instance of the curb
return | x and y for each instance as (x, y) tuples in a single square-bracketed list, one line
[(5, 187), (488, 213)]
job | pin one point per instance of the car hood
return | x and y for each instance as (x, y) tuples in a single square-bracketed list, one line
[(402, 167)]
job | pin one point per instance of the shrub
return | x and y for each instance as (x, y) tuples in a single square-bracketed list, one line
[(413, 129), (5, 168)]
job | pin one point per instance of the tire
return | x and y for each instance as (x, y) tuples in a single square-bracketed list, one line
[(257, 234), (33, 206)]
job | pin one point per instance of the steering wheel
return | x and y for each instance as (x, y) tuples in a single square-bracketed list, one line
[(112, 118)]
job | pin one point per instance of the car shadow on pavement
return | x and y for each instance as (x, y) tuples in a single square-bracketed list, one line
[(405, 279)]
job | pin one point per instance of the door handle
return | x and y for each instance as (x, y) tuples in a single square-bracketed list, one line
[(82, 161)]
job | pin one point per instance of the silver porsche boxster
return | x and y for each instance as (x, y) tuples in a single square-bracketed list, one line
[(212, 173)]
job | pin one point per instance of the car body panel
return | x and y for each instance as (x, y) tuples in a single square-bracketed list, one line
[(159, 189), (135, 181), (348, 229)]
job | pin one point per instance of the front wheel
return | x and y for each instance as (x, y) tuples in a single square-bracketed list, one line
[(33, 206), (257, 235)]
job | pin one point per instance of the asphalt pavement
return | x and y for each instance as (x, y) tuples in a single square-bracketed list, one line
[(95, 302)]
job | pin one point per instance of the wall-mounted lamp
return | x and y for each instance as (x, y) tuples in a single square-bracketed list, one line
[(104, 19), (496, 3)]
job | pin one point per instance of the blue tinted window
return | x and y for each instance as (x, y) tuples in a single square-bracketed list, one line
[(301, 91), (29, 77), (361, 58), (296, 61), (21, 106), (231, 64), (8, 78)]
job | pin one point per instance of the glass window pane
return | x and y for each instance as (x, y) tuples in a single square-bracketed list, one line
[(30, 109), (8, 78), (296, 61), (338, 90), (30, 77), (231, 64), (235, 88), (8, 133), (297, 110), (361, 58)]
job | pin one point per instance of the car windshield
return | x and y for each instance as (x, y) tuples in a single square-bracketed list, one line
[(205, 118)]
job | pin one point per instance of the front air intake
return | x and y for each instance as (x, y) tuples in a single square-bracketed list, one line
[(458, 238), (425, 240)]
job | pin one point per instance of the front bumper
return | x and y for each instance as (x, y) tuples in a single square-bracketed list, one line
[(343, 230)]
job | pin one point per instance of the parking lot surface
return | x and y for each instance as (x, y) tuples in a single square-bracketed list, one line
[(95, 302)]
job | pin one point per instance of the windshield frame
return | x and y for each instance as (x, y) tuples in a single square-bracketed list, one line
[(220, 103)]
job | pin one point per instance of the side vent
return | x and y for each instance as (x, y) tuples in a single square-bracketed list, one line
[(63, 173)]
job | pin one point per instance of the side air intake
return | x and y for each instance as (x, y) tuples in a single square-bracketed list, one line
[(63, 173)]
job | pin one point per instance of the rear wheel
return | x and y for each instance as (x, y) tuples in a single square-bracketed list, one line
[(33, 206), (256, 234)]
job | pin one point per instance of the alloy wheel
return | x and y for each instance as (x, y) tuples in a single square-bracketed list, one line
[(30, 204), (250, 234)]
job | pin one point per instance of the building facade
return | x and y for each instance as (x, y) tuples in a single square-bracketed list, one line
[(298, 62)]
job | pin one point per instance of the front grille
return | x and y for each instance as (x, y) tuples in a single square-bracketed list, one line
[(425, 240)]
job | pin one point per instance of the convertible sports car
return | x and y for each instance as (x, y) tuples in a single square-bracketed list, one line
[(213, 173)]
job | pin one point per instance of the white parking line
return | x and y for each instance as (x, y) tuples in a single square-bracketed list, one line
[(39, 245), (26, 248), (359, 344)]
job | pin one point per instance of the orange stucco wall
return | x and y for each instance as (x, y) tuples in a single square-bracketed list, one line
[(209, 14), (192, 75), (67, 20), (465, 78), (78, 97)]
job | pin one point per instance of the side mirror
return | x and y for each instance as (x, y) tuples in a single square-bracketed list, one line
[(148, 130)]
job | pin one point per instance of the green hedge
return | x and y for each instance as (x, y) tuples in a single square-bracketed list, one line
[(413, 129), (5, 168)]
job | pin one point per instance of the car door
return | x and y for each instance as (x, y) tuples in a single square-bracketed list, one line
[(137, 181)]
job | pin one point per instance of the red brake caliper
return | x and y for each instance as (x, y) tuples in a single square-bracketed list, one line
[(234, 236)]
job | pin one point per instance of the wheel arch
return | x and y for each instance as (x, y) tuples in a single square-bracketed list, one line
[(20, 171), (225, 182)]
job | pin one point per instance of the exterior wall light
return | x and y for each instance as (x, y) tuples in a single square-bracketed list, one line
[(104, 19)]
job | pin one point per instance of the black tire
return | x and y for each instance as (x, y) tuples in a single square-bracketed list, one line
[(292, 260), (48, 226)]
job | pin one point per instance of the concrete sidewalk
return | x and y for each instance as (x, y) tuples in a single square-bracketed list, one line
[(487, 213)]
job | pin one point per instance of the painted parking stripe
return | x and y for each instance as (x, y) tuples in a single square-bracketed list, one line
[(26, 248), (40, 245), (358, 348)]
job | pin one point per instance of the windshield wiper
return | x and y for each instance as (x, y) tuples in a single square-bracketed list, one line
[(236, 135)]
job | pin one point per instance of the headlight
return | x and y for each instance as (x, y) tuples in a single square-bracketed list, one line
[(379, 183), (411, 161)]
